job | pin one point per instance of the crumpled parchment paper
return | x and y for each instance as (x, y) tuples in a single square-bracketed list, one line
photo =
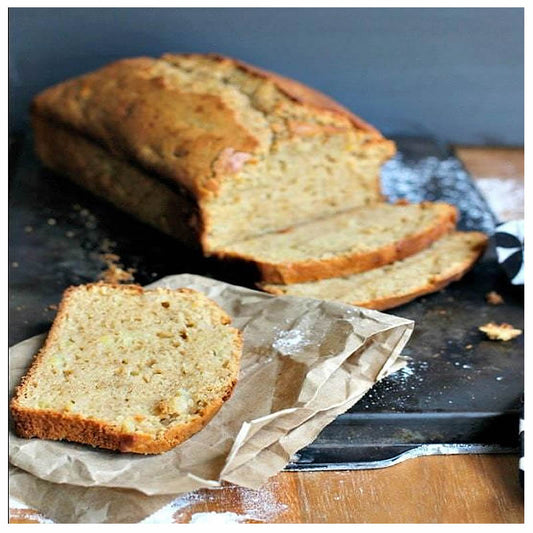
[(304, 362)]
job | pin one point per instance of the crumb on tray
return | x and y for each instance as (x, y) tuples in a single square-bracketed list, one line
[(500, 332), (115, 273), (494, 298)]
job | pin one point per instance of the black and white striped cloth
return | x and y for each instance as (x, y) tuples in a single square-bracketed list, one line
[(509, 241)]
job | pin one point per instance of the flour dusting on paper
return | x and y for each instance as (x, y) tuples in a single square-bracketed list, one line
[(290, 342)]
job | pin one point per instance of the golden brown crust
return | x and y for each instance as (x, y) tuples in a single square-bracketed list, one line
[(56, 425), (301, 93), (145, 196), (136, 108), (316, 269), (436, 284)]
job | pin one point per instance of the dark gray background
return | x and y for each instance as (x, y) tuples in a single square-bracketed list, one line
[(453, 74)]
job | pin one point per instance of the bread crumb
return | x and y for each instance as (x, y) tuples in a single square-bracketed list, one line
[(493, 298), (51, 307), (14, 264), (115, 274), (115, 271), (469, 347), (500, 332), (51, 221), (28, 229), (109, 258)]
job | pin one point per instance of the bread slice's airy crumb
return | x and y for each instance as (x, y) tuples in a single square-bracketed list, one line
[(129, 369)]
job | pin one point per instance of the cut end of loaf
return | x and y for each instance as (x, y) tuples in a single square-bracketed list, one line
[(129, 369)]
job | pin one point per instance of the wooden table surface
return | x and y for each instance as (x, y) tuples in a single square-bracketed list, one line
[(437, 489)]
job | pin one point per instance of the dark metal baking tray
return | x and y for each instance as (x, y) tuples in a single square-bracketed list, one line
[(460, 393)]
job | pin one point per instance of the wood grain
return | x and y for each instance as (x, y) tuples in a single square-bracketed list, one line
[(483, 162), (439, 489), (499, 174), (452, 489)]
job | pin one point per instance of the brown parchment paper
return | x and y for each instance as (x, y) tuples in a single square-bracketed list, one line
[(304, 362)]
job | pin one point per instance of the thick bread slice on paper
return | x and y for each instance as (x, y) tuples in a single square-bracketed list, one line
[(129, 369), (446, 260), (350, 242)]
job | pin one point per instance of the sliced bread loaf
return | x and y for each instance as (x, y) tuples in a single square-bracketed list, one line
[(346, 243), (129, 369), (234, 151), (446, 260)]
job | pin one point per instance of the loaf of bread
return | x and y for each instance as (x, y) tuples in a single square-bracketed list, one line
[(446, 260), (207, 148), (353, 241), (251, 167), (129, 369)]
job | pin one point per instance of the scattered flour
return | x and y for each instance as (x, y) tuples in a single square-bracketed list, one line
[(166, 514), (22, 511), (290, 342), (258, 506), (403, 372), (214, 518), (505, 196)]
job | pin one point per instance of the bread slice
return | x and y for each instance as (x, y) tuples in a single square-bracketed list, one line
[(346, 243), (129, 369), (444, 261)]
